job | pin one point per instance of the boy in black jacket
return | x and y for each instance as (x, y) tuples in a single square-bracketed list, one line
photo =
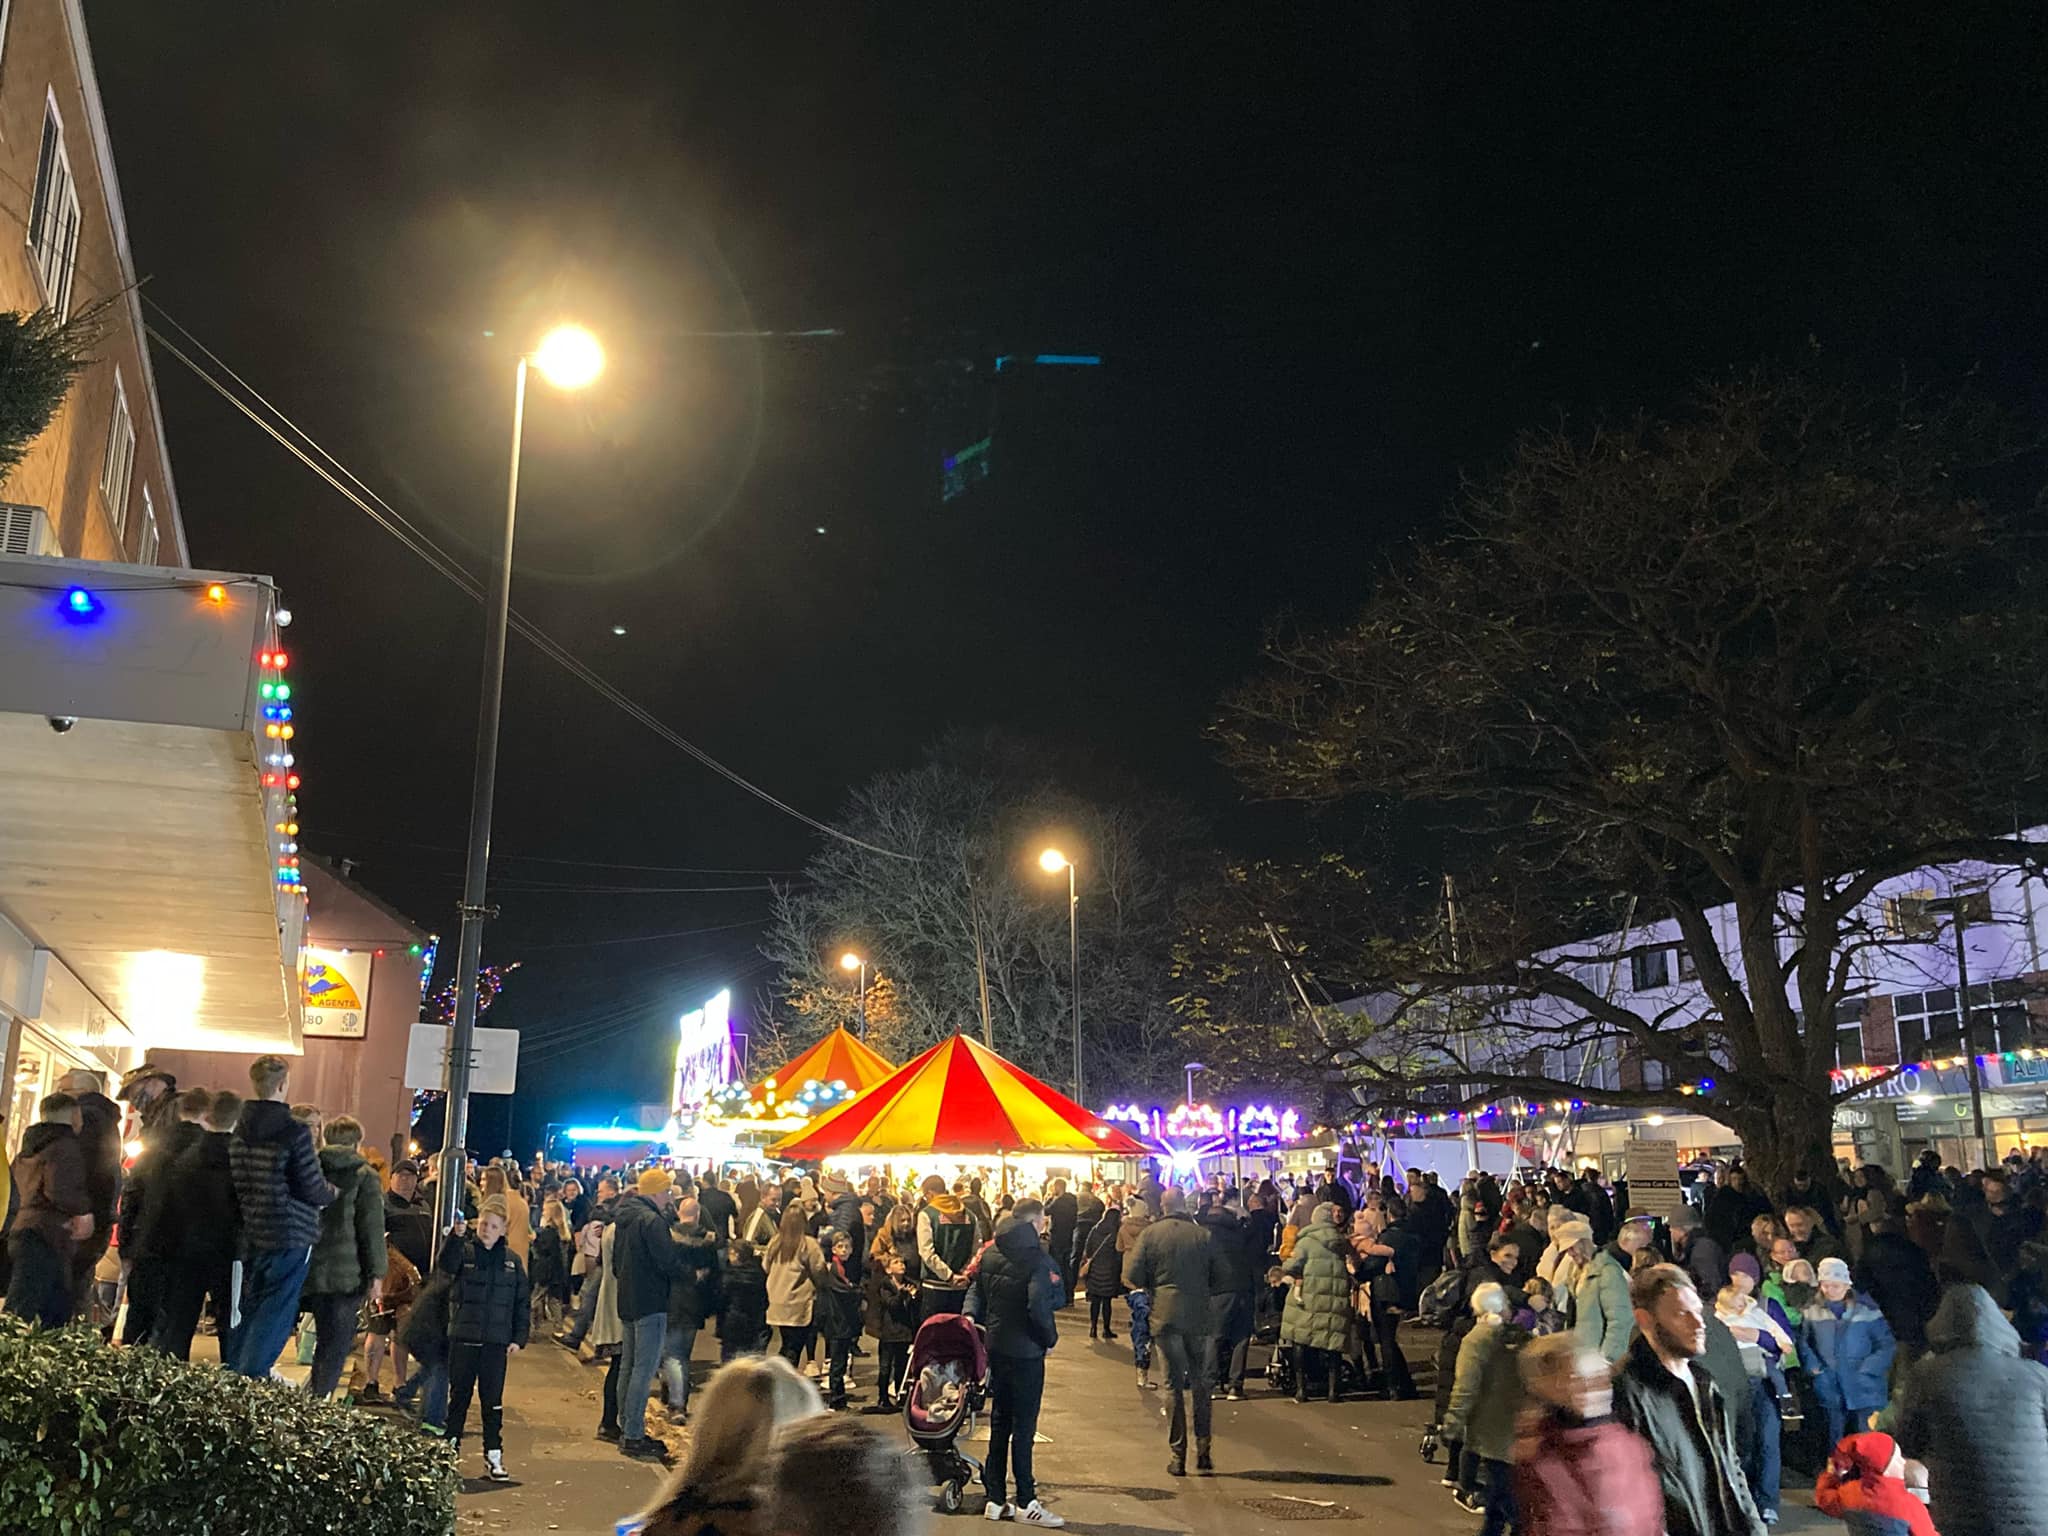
[(198, 1229), (489, 1306)]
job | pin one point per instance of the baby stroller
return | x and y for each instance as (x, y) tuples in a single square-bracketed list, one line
[(944, 1386)]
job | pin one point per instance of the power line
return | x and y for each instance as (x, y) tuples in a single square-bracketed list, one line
[(543, 888), (446, 565), (327, 835), (642, 938)]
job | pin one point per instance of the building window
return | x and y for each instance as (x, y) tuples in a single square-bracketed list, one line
[(119, 467), (1931, 1024), (1650, 969), (1849, 1034), (53, 219), (145, 550)]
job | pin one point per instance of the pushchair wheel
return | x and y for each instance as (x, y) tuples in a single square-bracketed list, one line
[(949, 1498)]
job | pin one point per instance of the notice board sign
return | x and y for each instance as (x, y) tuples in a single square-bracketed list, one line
[(493, 1058), (334, 993), (1653, 1187)]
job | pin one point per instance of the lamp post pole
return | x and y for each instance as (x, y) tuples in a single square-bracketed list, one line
[(863, 1001), (1074, 957), (482, 790)]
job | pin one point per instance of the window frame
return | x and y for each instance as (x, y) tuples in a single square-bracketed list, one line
[(54, 260), (150, 541), (121, 422), (1639, 965)]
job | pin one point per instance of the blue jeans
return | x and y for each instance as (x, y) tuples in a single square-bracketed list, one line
[(1763, 1466), (429, 1378), (334, 1335), (1140, 1304), (270, 1305), (1016, 1388), (676, 1349), (586, 1311), (639, 1360)]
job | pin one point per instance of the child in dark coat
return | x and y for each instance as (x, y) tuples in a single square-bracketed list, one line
[(836, 1311), (489, 1313)]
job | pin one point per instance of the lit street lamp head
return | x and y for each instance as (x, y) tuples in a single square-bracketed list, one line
[(1052, 861), (850, 961), (569, 357)]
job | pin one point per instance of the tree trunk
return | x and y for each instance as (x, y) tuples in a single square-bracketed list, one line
[(1792, 1129)]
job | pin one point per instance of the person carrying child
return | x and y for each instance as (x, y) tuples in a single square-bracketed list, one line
[(1538, 1316), (489, 1313), (1864, 1486), (1764, 1334)]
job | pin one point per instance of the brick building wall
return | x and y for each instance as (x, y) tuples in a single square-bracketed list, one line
[(45, 69)]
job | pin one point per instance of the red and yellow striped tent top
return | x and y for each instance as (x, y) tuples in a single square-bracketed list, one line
[(957, 1097), (838, 1058)]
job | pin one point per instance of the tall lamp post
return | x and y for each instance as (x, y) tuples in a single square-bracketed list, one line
[(853, 962), (568, 357), (1052, 861)]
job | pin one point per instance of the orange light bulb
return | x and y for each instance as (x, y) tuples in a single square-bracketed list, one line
[(216, 593)]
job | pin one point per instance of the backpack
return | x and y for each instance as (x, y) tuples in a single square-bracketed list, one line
[(1442, 1299)]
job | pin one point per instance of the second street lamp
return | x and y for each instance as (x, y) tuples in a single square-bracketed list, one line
[(568, 357), (1052, 861), (852, 962)]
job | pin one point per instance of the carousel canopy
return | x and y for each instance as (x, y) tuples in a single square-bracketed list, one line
[(957, 1097), (838, 1058)]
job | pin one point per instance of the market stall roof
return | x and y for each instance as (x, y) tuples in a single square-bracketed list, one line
[(838, 1058), (958, 1097)]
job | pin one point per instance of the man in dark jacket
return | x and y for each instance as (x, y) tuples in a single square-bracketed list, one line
[(1693, 1246), (1088, 1210), (645, 1262), (842, 1214), (1895, 1273), (693, 1298), (145, 1194), (53, 1217), (1977, 1414), (1431, 1217), (280, 1193), (1177, 1264), (1665, 1395), (1233, 1304), (1982, 1246), (1926, 1178), (408, 1223), (201, 1233), (1015, 1294), (99, 1142), (1062, 1210), (718, 1210), (1805, 1189)]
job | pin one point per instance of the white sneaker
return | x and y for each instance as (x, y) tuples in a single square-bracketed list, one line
[(1036, 1513), (995, 1511), (494, 1467)]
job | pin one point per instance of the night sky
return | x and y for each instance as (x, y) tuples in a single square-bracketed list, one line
[(1332, 257)]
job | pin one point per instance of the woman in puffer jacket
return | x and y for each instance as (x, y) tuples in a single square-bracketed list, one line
[(1317, 1318)]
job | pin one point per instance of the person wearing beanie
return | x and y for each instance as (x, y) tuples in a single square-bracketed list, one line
[(1601, 1315), (1864, 1486), (1763, 1334), (1847, 1347), (645, 1261)]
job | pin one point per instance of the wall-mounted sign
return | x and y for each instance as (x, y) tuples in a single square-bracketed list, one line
[(334, 992)]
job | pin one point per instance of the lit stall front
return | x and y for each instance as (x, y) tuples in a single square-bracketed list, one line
[(961, 1110), (740, 1120), (1233, 1140)]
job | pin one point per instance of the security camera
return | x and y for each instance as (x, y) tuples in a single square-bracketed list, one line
[(61, 723)]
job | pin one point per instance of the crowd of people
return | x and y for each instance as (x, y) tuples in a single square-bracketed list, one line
[(1599, 1368)]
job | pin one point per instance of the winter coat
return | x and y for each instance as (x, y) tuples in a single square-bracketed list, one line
[(1061, 1212), (643, 1259), (1896, 1275), (1982, 1247), (693, 1294), (278, 1184), (1318, 1311), (1262, 1236), (548, 1275), (202, 1222), (1585, 1477), (1486, 1394), (489, 1301), (607, 1329), (945, 1243), (1102, 1267), (1705, 1493), (1177, 1262), (425, 1333), (1848, 1352), (1016, 1294), (146, 1194), (836, 1307), (1707, 1262), (518, 1223), (350, 1251), (1088, 1209), (50, 1182), (793, 1285), (409, 1227), (721, 1213), (892, 1299), (745, 1317), (99, 1144), (844, 1216), (1231, 1241), (1977, 1414), (1872, 1506), (1600, 1305)]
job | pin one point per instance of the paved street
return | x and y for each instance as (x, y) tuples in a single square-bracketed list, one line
[(1101, 1463)]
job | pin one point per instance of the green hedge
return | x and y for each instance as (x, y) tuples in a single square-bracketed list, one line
[(104, 1442)]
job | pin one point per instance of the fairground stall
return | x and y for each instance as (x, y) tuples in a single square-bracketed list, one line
[(738, 1122), (1192, 1141), (962, 1111)]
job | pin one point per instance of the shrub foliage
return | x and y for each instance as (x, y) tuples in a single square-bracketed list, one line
[(102, 1442)]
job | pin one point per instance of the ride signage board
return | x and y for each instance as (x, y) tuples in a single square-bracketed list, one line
[(493, 1058), (1653, 1186)]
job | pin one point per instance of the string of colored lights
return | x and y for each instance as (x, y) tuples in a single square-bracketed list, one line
[(1864, 1074)]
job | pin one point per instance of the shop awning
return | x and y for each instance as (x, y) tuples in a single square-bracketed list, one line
[(958, 1097), (141, 797)]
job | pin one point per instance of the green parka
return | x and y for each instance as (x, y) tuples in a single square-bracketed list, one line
[(1318, 1310)]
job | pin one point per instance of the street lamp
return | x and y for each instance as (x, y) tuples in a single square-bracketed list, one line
[(1052, 861), (568, 357), (852, 962), (1192, 1068)]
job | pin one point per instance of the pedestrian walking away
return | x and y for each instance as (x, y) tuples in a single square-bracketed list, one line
[(1015, 1294), (55, 1215), (280, 1193), (348, 1262), (727, 1476), (1175, 1262)]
